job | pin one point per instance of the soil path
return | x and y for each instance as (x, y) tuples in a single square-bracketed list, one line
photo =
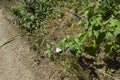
[(18, 62), (13, 56)]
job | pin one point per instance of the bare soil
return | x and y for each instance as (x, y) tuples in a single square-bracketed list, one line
[(12, 63), (17, 61)]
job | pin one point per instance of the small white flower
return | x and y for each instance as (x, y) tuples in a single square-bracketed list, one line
[(58, 50)]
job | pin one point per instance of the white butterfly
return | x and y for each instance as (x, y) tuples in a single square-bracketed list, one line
[(58, 50)]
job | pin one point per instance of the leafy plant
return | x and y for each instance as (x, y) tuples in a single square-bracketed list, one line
[(101, 26), (110, 70), (32, 13), (48, 50)]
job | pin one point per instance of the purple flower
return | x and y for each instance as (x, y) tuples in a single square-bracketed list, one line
[(68, 49), (76, 15)]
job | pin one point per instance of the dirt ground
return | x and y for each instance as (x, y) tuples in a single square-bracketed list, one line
[(12, 64), (17, 61)]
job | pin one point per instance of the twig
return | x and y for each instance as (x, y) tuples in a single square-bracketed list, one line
[(42, 42)]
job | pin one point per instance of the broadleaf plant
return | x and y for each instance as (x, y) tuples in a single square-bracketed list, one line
[(102, 26)]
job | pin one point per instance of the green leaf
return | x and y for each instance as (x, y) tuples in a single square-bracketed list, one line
[(94, 44), (68, 37), (48, 53), (90, 32), (117, 30), (76, 40), (110, 36), (96, 19), (48, 46), (114, 22), (82, 38), (96, 34)]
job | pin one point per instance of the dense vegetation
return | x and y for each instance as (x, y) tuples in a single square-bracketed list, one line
[(98, 21)]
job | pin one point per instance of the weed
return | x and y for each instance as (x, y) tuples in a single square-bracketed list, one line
[(101, 26), (9, 40), (110, 70), (32, 13)]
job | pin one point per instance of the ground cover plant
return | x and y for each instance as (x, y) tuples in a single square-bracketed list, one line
[(98, 26), (98, 22), (32, 13)]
